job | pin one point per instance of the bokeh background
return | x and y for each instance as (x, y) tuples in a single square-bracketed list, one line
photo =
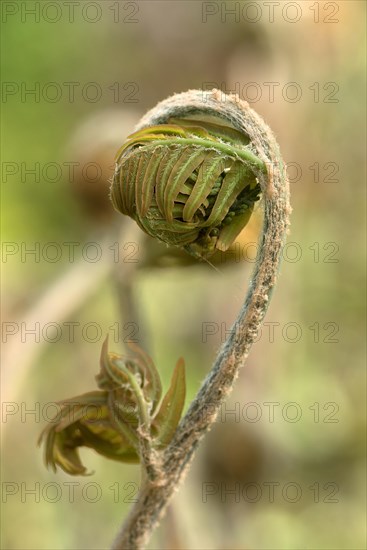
[(283, 468)]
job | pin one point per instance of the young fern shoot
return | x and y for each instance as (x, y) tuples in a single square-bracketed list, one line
[(189, 176)]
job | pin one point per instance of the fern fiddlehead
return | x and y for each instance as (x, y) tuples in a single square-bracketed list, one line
[(190, 183), (233, 133), (190, 176)]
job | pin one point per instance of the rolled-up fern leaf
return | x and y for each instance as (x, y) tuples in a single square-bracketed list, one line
[(188, 176)]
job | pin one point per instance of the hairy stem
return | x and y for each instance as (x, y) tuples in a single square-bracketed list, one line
[(175, 459)]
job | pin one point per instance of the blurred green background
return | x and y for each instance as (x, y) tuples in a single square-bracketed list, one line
[(286, 469)]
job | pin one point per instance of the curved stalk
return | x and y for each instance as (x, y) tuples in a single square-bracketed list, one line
[(202, 413)]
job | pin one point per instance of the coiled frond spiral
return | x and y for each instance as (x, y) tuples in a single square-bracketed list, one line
[(190, 183)]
